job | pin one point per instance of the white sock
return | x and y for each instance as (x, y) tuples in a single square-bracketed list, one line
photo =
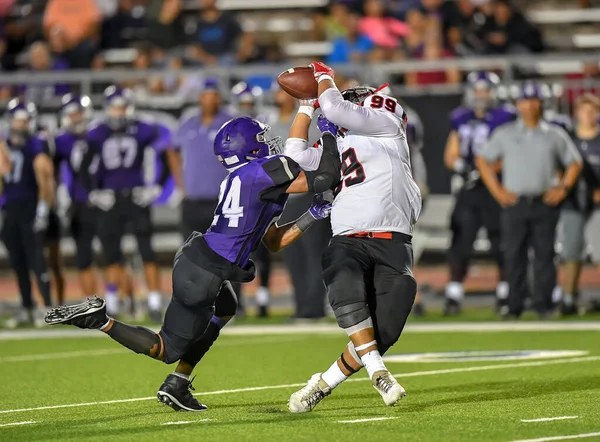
[(262, 296), (567, 299), (455, 290), (372, 362), (557, 294), (112, 303), (154, 301), (181, 375), (502, 290), (334, 376)]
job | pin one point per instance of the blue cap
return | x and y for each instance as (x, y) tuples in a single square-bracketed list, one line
[(210, 84), (531, 89)]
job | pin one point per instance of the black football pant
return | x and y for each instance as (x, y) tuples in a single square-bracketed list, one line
[(474, 208), (26, 250), (371, 277), (197, 216), (303, 259), (530, 223)]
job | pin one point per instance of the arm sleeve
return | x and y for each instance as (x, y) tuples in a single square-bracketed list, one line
[(493, 149), (568, 153), (307, 157), (359, 119), (165, 172), (280, 171), (162, 138)]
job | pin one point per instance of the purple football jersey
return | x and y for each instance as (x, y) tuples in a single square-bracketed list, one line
[(252, 197), (21, 185), (473, 132), (121, 153), (70, 149)]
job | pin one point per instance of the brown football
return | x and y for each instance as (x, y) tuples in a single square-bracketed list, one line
[(299, 82)]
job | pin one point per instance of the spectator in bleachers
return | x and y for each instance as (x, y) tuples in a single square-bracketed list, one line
[(333, 25), (78, 23), (161, 17), (509, 32), (433, 49), (385, 32), (352, 47), (41, 60), (218, 38), (465, 26)]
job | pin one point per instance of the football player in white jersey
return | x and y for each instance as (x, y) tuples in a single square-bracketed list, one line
[(367, 266)]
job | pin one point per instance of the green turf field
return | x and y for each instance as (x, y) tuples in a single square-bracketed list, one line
[(79, 388)]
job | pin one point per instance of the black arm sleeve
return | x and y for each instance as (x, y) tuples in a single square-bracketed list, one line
[(165, 172), (327, 176), (282, 171), (84, 174)]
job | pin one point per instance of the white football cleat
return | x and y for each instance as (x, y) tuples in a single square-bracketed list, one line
[(307, 398), (388, 387)]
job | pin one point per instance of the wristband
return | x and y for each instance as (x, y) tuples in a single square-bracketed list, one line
[(42, 209), (458, 165), (324, 77), (305, 221), (307, 110)]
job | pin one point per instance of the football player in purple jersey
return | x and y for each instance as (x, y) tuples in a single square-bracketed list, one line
[(27, 187), (472, 124), (119, 190), (252, 198)]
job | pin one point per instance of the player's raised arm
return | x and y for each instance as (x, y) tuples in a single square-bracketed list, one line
[(377, 119), (296, 146)]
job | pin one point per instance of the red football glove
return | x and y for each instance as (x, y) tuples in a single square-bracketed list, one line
[(322, 71)]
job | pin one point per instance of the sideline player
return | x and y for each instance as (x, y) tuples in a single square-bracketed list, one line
[(120, 191), (252, 197), (28, 189), (368, 263), (474, 207), (70, 149)]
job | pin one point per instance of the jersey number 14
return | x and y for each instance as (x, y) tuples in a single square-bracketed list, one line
[(231, 208)]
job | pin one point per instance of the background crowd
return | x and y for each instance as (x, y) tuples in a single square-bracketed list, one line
[(165, 36)]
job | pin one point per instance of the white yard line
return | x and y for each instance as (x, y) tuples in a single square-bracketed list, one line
[(14, 424), (63, 355), (549, 419), (248, 330), (571, 436), (185, 422), (273, 387), (112, 351), (371, 419)]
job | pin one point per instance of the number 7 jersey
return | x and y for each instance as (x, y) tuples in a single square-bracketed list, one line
[(377, 192)]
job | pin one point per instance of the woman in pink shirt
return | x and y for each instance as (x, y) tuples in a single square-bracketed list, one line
[(385, 32)]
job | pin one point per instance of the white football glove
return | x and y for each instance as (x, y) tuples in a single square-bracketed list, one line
[(103, 199), (308, 107), (143, 196), (176, 198), (40, 223)]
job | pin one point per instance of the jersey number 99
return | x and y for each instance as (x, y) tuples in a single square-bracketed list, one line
[(352, 171)]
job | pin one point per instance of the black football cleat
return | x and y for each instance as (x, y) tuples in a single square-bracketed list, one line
[(452, 307), (176, 393), (89, 314)]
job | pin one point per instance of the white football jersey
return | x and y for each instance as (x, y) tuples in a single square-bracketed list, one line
[(377, 192)]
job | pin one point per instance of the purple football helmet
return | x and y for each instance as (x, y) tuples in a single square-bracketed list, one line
[(75, 112), (247, 99), (481, 90), (244, 139), (22, 117), (119, 105)]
